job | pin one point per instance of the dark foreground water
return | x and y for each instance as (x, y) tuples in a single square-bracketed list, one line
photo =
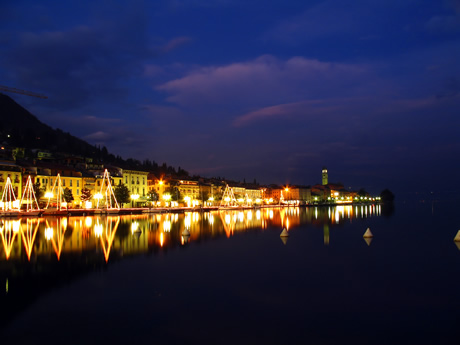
[(233, 280)]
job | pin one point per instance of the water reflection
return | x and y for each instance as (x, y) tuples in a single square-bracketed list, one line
[(26, 239)]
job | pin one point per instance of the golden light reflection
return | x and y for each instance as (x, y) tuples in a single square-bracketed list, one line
[(107, 237), (187, 221), (134, 227), (28, 235), (60, 224), (8, 231), (167, 225), (81, 234), (48, 233)]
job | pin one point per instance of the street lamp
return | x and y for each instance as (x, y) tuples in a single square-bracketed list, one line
[(166, 198), (134, 197), (98, 197)]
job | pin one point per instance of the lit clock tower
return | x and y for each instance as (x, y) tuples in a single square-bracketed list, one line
[(324, 173)]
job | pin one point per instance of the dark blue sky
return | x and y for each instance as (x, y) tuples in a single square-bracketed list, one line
[(272, 90)]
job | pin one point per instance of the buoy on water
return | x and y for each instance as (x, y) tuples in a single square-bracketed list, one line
[(284, 233), (457, 237), (368, 233)]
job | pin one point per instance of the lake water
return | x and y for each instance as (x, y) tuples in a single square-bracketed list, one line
[(234, 280)]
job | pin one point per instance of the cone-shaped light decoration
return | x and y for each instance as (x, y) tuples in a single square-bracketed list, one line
[(457, 237), (185, 232), (284, 233), (368, 233)]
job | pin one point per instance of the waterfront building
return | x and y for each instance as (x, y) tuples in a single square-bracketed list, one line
[(159, 185), (297, 194), (273, 193), (254, 193), (136, 181), (238, 190), (189, 191), (14, 172), (207, 196)]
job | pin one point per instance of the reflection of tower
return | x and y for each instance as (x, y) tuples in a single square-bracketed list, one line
[(324, 173), (326, 233)]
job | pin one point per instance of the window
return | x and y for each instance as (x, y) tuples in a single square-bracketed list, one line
[(78, 191), (63, 182), (126, 179), (78, 183), (70, 183)]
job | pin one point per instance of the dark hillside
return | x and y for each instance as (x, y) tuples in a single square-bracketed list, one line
[(19, 128)]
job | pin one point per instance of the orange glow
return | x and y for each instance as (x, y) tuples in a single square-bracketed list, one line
[(108, 236), (28, 236), (61, 227), (8, 234)]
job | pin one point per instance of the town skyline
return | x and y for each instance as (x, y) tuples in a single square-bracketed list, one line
[(272, 91)]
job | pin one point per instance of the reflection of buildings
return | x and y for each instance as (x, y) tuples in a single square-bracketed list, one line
[(109, 237)]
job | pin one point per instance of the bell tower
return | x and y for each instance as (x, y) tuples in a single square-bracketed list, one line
[(324, 174)]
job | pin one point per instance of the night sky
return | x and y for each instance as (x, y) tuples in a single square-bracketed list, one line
[(272, 90)]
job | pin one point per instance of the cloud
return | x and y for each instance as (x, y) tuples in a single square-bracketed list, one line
[(444, 24), (83, 63), (98, 136), (174, 43), (265, 79), (281, 110)]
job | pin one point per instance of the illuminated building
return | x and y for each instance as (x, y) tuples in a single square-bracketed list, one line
[(13, 171), (189, 190), (159, 185), (324, 176), (136, 181)]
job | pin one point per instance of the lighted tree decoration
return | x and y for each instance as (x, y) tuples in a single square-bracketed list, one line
[(122, 194), (9, 201), (86, 195), (68, 195), (107, 195), (38, 191), (228, 198), (29, 197), (152, 195)]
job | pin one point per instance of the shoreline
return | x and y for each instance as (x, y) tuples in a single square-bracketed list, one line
[(153, 210)]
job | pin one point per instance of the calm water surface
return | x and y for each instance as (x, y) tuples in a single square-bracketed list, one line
[(234, 280)]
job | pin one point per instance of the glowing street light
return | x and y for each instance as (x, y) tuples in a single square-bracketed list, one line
[(166, 198), (98, 197), (134, 197)]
